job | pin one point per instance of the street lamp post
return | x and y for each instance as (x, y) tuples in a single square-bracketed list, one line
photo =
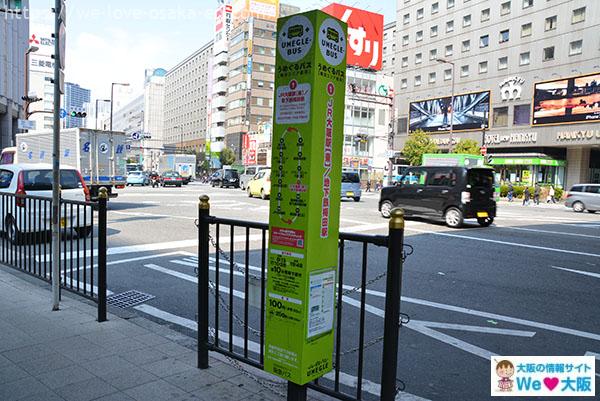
[(444, 61), (99, 100)]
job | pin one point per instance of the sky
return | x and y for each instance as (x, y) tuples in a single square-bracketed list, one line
[(108, 41)]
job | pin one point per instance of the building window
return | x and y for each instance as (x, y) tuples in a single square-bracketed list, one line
[(521, 114), (466, 45), (404, 83), (418, 58), (483, 67), (485, 15), (433, 54), (504, 36), (404, 62), (484, 41), (405, 40), (527, 3), (435, 7), (447, 74), (503, 63), (406, 18), (526, 30), (419, 36), (432, 77), (417, 80), (551, 23), (548, 53), (464, 71), (575, 47), (505, 8), (449, 50), (500, 117), (450, 3), (450, 26), (420, 13), (467, 20), (578, 15), (433, 31), (524, 58)]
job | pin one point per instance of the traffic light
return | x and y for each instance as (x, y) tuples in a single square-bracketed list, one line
[(78, 114), (489, 159)]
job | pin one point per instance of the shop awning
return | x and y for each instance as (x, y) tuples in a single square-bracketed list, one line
[(527, 161)]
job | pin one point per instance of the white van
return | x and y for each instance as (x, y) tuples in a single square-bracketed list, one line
[(249, 173)]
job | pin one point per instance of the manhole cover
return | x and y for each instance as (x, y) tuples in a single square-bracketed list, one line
[(128, 299)]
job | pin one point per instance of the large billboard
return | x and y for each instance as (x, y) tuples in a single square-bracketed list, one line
[(263, 9), (365, 35), (471, 112), (567, 100)]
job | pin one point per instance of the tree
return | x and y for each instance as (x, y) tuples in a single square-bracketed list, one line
[(467, 146), (417, 145), (227, 157)]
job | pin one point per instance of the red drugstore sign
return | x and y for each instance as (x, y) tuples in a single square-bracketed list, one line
[(365, 35)]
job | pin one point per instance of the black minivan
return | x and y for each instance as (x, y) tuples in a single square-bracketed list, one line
[(452, 193)]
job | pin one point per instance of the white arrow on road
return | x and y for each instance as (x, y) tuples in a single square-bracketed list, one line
[(595, 275)]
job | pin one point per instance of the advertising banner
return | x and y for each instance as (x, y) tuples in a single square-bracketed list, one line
[(567, 100), (310, 81), (365, 35), (471, 112)]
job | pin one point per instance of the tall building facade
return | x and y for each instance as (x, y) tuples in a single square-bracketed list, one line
[(41, 74), (389, 48), (186, 106), (130, 118), (76, 99), (526, 79), (152, 141), (14, 29)]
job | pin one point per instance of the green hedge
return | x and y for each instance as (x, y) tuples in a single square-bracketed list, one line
[(519, 189)]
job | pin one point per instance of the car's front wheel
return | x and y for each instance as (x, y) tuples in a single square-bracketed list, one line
[(485, 221), (454, 217), (263, 195), (386, 209), (578, 207), (83, 232), (357, 199), (249, 192)]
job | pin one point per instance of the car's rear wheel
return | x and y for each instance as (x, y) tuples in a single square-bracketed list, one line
[(453, 217), (485, 221), (386, 209), (263, 195), (14, 235), (592, 211), (578, 207), (83, 232)]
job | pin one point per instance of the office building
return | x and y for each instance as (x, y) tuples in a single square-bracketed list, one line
[(152, 141), (526, 79), (130, 118), (389, 53), (76, 100), (41, 74), (13, 47), (186, 105)]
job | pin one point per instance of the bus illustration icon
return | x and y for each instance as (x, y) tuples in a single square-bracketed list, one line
[(295, 31), (334, 35)]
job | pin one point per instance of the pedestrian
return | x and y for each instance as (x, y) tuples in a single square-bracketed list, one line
[(368, 185), (551, 195), (536, 194), (511, 192), (526, 196)]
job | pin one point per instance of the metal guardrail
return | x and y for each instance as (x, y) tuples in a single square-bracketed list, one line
[(26, 242), (236, 329)]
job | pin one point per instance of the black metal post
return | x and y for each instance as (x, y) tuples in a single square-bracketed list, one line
[(102, 202), (391, 331), (203, 254), (296, 392)]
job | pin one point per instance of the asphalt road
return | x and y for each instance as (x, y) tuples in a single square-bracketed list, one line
[(528, 285)]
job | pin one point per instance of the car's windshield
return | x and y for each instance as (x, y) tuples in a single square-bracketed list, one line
[(231, 174), (478, 178), (350, 178), (41, 180)]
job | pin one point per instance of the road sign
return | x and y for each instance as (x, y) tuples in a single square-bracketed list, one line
[(62, 113), (26, 124), (305, 195), (135, 136), (483, 150)]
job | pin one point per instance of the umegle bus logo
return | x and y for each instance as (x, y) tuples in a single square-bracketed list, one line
[(327, 162)]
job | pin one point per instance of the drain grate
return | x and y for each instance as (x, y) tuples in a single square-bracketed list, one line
[(128, 299)]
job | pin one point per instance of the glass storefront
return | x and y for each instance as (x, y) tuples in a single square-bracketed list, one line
[(531, 170), (595, 166)]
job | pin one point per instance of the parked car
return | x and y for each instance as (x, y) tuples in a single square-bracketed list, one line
[(137, 178), (452, 193), (226, 179), (351, 185), (171, 178), (20, 217), (249, 174), (260, 185), (584, 197)]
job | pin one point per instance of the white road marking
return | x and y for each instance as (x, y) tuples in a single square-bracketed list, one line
[(549, 232), (594, 354), (584, 273), (142, 214), (544, 248), (478, 329)]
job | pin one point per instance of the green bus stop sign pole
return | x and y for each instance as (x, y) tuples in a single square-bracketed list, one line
[(310, 83)]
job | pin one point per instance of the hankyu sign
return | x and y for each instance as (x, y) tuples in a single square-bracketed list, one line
[(304, 215), (514, 138), (365, 35), (578, 136), (511, 88)]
